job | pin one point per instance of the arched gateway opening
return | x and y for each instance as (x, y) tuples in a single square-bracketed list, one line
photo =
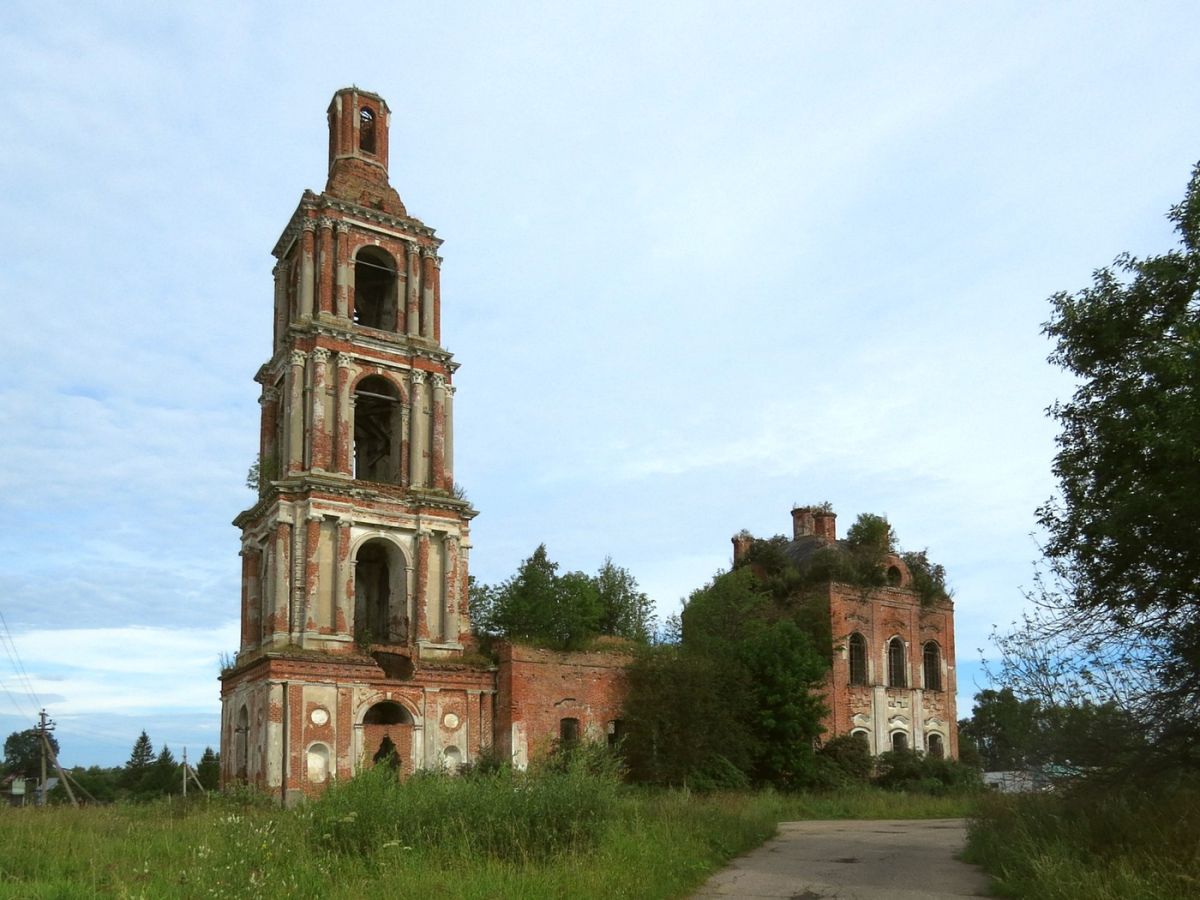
[(387, 736)]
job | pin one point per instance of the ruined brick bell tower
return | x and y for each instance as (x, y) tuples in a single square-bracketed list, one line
[(354, 559)]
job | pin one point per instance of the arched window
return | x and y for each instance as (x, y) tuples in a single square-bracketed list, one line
[(933, 666), (937, 749), (858, 659), (894, 576), (380, 607), (451, 759), (862, 737), (374, 289), (366, 130), (896, 669), (568, 731), (899, 741), (378, 424)]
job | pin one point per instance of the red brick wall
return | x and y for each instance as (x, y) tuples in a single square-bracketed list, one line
[(538, 688), (879, 615)]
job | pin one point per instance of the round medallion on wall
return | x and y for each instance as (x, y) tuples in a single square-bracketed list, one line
[(450, 720), (319, 716)]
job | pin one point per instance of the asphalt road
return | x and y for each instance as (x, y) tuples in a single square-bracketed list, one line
[(855, 860)]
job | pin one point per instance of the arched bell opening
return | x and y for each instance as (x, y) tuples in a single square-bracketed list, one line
[(374, 289), (378, 426), (380, 594)]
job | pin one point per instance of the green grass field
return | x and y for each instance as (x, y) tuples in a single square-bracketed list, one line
[(482, 838)]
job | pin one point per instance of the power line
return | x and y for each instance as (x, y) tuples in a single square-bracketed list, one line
[(18, 666)]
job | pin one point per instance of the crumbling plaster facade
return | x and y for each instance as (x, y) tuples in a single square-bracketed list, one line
[(355, 631)]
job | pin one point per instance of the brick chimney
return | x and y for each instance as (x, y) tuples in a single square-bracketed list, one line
[(741, 546), (825, 525), (802, 522)]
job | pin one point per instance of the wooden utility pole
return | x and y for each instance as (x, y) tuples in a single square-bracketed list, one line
[(45, 726), (42, 726)]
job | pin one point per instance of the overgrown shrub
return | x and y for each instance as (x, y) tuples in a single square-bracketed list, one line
[(505, 814), (907, 770), (850, 757)]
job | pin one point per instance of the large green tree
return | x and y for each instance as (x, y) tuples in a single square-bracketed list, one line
[(561, 610), (23, 753), (141, 761), (736, 701), (1005, 729), (1121, 533), (208, 770)]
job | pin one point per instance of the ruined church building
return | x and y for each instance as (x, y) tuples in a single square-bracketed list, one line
[(355, 636)]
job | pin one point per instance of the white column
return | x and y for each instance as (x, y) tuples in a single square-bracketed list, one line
[(417, 439)]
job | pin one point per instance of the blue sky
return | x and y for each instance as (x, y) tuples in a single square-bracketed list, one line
[(702, 262)]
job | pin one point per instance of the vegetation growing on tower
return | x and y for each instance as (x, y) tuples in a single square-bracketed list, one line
[(859, 559)]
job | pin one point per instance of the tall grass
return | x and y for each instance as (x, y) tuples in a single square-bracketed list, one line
[(568, 833), (505, 814), (1097, 841)]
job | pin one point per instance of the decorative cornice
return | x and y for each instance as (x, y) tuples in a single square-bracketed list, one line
[(406, 224)]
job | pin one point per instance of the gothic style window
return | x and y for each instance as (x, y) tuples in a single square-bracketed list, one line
[(896, 673), (933, 667), (375, 289), (366, 130), (858, 659)]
